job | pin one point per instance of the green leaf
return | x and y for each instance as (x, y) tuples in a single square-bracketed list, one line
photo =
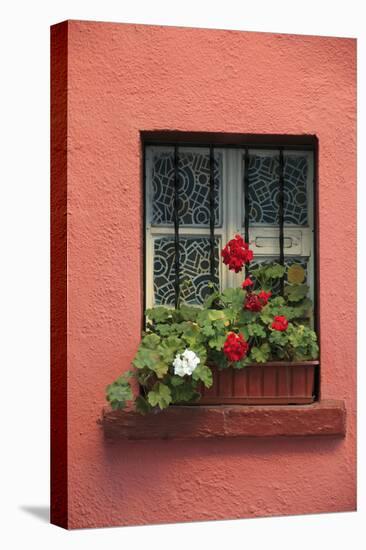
[(260, 354), (118, 393), (218, 358), (231, 313), (203, 373), (159, 314), (142, 406), (275, 271), (176, 380), (169, 347), (210, 315), (266, 315), (234, 297), (303, 341), (266, 273), (189, 313), (217, 342), (160, 396), (279, 338), (172, 342), (246, 316), (208, 330), (255, 329), (184, 393), (165, 329), (151, 359), (301, 311), (151, 341), (258, 272), (191, 333), (201, 352), (313, 350), (277, 301), (145, 357), (160, 368), (295, 293)]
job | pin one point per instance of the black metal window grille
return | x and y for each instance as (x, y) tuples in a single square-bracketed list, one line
[(246, 184)]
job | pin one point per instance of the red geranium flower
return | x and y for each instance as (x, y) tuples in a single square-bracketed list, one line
[(255, 302), (248, 282), (280, 323), (264, 296), (252, 302), (235, 347), (236, 253)]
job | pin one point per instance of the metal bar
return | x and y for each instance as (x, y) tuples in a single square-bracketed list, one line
[(176, 228), (246, 202), (281, 214), (212, 214)]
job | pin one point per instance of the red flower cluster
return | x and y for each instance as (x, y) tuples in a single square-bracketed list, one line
[(235, 347), (280, 323), (252, 302), (236, 253), (255, 302), (248, 282), (264, 296)]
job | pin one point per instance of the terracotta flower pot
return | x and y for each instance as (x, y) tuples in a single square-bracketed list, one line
[(262, 384)]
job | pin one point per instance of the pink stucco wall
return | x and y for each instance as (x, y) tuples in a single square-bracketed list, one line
[(124, 79)]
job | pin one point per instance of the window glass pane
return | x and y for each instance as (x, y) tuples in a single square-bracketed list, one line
[(194, 269), (264, 189), (194, 188)]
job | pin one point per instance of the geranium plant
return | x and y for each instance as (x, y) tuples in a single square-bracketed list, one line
[(232, 329)]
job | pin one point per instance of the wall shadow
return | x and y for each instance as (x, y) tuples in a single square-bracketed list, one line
[(40, 512)]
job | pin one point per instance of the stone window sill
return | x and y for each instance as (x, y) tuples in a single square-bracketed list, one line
[(323, 418)]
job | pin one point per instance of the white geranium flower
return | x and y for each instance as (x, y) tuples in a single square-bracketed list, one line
[(185, 363), (192, 360), (178, 365)]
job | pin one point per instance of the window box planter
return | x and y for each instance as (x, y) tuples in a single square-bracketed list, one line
[(232, 349), (281, 383)]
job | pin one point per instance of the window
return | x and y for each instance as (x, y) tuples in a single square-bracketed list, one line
[(197, 198)]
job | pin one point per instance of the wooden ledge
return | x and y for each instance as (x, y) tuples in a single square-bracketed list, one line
[(323, 418)]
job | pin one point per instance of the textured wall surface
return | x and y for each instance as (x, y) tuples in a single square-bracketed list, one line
[(124, 79)]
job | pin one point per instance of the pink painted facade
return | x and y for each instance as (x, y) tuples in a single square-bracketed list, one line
[(126, 79)]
